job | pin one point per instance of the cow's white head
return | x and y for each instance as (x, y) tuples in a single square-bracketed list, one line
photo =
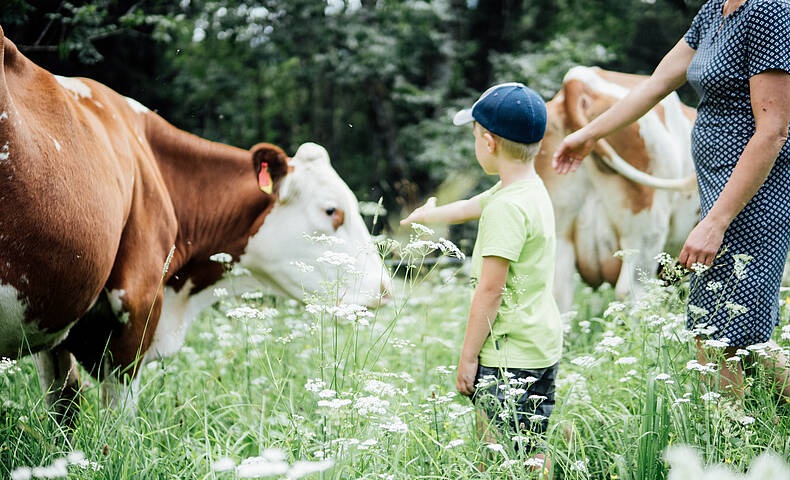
[(315, 202)]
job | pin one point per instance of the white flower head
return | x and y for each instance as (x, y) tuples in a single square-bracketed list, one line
[(699, 268), (421, 229), (223, 464), (740, 262), (625, 361), (663, 259), (455, 443), (221, 258), (496, 447), (302, 266)]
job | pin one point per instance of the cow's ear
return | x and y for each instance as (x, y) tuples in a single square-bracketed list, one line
[(270, 164)]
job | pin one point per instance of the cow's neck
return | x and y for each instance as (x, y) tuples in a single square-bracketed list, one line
[(216, 199)]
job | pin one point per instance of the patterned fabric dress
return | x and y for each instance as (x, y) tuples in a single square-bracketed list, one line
[(738, 297)]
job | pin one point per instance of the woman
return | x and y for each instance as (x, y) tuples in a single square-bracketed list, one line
[(737, 56)]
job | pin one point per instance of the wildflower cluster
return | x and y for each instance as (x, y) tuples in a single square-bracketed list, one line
[(57, 469), (272, 462)]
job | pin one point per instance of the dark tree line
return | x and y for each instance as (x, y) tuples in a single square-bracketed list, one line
[(375, 81)]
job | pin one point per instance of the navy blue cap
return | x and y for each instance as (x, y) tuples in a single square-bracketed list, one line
[(510, 110)]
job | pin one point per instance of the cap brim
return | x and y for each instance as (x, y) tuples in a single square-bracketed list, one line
[(463, 117)]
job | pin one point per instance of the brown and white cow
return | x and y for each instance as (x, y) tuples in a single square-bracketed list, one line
[(95, 193), (636, 193)]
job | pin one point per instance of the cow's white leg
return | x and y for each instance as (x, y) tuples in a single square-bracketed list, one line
[(564, 284), (60, 381), (118, 392)]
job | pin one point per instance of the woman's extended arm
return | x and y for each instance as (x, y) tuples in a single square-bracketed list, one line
[(668, 76), (770, 98)]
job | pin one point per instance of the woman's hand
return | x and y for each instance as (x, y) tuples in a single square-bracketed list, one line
[(420, 214), (572, 151), (702, 244), (467, 370)]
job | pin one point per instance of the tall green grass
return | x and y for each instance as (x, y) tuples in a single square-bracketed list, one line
[(374, 392)]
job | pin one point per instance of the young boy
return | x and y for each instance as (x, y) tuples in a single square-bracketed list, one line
[(513, 339)]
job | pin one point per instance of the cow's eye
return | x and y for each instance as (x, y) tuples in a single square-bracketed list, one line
[(330, 211)]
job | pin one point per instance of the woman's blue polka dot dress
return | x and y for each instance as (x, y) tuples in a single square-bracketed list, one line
[(739, 304)]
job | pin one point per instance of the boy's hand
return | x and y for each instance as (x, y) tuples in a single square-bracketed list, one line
[(467, 370), (419, 215)]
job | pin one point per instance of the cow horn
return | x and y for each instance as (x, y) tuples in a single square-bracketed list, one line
[(616, 163)]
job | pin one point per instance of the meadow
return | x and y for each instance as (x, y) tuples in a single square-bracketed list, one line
[(270, 387)]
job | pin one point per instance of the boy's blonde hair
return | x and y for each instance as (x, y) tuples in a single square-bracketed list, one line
[(523, 152)]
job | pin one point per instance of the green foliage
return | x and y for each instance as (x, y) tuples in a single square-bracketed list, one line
[(374, 81)]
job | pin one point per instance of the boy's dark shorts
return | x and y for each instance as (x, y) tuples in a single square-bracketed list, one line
[(504, 394)]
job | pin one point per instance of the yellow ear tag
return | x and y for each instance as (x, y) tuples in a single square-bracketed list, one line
[(265, 179)]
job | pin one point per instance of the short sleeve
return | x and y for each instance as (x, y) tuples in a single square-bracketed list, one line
[(694, 33), (484, 197), (502, 232), (768, 39)]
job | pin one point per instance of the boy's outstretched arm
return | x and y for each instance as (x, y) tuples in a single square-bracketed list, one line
[(485, 305), (456, 212)]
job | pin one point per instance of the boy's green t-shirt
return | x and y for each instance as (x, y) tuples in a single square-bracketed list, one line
[(517, 223)]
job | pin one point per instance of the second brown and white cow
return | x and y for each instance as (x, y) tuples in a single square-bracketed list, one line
[(636, 193), (109, 216)]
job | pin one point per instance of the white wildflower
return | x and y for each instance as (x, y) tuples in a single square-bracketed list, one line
[(713, 286), (699, 268), (625, 361), (420, 229), (21, 473), (265, 465), (448, 248), (496, 447), (328, 240), (8, 366), (302, 266), (614, 307), (371, 404), (455, 443), (224, 464), (722, 343), (57, 469), (580, 465), (740, 262), (246, 312), (335, 403), (315, 385), (336, 258), (303, 468), (584, 361), (396, 425), (697, 312), (220, 292), (371, 442), (252, 295), (534, 462), (746, 420), (662, 377), (710, 396), (327, 393), (663, 259), (735, 308), (221, 258)]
